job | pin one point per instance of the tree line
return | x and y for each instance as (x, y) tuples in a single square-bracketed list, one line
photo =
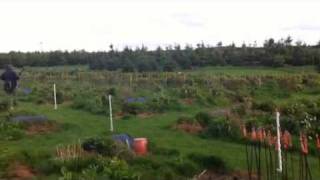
[(273, 53)]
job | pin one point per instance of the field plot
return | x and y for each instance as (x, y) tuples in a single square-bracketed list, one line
[(193, 121)]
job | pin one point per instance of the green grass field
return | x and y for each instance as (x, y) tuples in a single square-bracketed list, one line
[(254, 71), (79, 125)]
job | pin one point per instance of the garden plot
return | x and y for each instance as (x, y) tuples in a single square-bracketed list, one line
[(193, 123), (33, 125)]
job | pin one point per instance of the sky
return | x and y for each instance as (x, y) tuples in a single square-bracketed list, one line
[(92, 25)]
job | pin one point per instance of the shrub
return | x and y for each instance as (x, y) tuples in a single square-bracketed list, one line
[(185, 168), (267, 106), (4, 105), (111, 91), (103, 146), (60, 97), (107, 147), (241, 109), (74, 165), (103, 168), (208, 162), (133, 108), (203, 118), (290, 124), (185, 119), (146, 163), (290, 83), (88, 103), (161, 104), (188, 92), (10, 131), (296, 109), (223, 129), (115, 169)]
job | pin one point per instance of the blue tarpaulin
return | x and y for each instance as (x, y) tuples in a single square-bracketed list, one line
[(138, 100), (124, 138), (29, 119), (27, 91)]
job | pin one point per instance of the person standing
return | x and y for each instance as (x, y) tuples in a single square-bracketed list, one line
[(10, 78)]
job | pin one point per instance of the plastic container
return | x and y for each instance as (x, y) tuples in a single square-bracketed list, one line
[(140, 146)]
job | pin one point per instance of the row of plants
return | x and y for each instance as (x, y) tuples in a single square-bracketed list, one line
[(213, 126)]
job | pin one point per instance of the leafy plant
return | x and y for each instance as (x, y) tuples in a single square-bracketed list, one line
[(10, 130), (203, 118)]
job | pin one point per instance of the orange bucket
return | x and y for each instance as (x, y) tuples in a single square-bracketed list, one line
[(140, 146)]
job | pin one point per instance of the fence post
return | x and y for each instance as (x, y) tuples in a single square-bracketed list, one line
[(110, 109), (55, 96), (279, 142)]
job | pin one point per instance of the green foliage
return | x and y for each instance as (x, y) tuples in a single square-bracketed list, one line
[(222, 128), (105, 146), (133, 108), (10, 131), (4, 105), (140, 59), (66, 175), (88, 102), (208, 162), (60, 97), (165, 161), (267, 106), (290, 124), (103, 168), (163, 103), (203, 118), (185, 119), (185, 168), (112, 91)]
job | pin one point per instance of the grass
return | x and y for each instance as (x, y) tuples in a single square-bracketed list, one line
[(253, 71), (81, 125)]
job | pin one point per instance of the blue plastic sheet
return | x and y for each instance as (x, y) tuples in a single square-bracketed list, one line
[(29, 119), (124, 138)]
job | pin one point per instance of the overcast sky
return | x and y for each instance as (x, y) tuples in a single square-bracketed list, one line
[(94, 24)]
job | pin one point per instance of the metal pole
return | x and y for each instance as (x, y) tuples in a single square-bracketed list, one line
[(278, 142), (55, 97), (110, 109)]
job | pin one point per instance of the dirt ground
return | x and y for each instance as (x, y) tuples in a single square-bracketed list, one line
[(187, 101), (193, 128), (41, 128), (145, 115), (20, 171)]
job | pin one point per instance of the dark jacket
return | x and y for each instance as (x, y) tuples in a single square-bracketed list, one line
[(10, 79)]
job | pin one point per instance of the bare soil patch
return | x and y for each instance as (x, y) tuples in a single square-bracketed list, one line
[(20, 171), (41, 128), (192, 128), (144, 115), (187, 101)]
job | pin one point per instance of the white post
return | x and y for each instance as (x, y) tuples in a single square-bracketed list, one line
[(279, 142), (55, 97), (11, 103), (110, 109)]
